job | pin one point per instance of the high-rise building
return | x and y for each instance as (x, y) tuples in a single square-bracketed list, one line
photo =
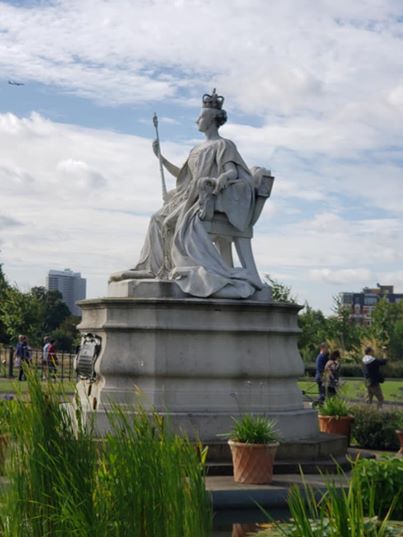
[(71, 286), (362, 304)]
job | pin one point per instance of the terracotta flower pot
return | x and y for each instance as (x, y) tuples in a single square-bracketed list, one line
[(253, 463), (399, 433), (336, 425)]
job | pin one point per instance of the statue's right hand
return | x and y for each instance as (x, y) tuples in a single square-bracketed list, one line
[(156, 148)]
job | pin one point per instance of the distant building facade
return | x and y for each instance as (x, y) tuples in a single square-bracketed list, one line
[(362, 304), (70, 284)]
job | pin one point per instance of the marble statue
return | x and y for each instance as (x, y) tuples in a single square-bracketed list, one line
[(195, 358), (215, 204)]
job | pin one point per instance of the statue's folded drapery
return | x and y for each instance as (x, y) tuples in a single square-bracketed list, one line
[(177, 245)]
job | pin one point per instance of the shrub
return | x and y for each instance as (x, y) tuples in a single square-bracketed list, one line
[(351, 370), (393, 369), (347, 370), (374, 428), (354, 370), (381, 483)]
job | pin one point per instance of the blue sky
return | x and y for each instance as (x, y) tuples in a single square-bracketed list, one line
[(313, 90)]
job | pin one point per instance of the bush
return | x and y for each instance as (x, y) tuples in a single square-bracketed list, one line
[(393, 369), (351, 370), (347, 370), (374, 428), (381, 483), (390, 370)]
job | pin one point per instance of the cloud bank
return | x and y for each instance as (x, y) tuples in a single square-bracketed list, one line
[(316, 94)]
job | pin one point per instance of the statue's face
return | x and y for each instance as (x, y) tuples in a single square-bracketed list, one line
[(205, 119)]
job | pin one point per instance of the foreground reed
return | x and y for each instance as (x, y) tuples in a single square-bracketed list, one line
[(337, 512), (143, 481)]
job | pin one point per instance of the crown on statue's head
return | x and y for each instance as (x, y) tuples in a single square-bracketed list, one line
[(213, 100)]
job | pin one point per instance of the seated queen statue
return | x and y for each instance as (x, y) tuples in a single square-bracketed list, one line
[(216, 201)]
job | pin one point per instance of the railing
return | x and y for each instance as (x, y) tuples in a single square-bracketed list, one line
[(64, 368)]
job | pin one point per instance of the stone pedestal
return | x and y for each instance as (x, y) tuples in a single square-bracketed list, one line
[(199, 361)]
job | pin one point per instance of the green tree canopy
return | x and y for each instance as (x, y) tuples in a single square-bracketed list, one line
[(387, 326), (54, 310), (314, 330), (36, 313), (21, 313), (4, 338)]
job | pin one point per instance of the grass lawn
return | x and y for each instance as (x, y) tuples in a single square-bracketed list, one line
[(352, 388), (11, 386)]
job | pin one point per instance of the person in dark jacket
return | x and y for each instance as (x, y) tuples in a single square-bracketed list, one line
[(373, 376), (321, 360), (23, 355)]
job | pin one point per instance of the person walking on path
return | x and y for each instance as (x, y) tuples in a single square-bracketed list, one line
[(373, 376), (52, 360), (321, 360), (45, 353), (23, 355), (331, 374)]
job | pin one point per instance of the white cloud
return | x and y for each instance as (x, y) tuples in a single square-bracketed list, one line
[(83, 197), (79, 195), (266, 56), (322, 80), (81, 173), (344, 276)]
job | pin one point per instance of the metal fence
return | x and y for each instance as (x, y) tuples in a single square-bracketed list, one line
[(64, 368)]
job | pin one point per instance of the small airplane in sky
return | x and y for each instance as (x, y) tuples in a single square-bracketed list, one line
[(13, 83)]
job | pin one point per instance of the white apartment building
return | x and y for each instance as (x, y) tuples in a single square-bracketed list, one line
[(70, 284)]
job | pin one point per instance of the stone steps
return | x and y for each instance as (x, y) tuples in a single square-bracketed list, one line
[(281, 467), (324, 453)]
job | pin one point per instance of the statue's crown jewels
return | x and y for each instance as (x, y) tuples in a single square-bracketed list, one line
[(213, 100)]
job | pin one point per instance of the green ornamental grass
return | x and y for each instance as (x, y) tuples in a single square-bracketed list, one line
[(254, 430), (140, 481), (334, 406), (335, 512)]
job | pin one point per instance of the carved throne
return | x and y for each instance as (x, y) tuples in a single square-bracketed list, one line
[(223, 233)]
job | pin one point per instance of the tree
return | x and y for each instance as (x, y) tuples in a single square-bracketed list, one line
[(280, 292), (396, 341), (342, 330), (20, 313), (4, 338), (66, 335), (55, 311), (36, 313), (387, 326), (314, 330)]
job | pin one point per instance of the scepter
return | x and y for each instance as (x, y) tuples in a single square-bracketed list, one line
[(163, 184)]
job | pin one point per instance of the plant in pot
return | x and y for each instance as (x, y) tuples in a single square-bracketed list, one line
[(253, 442), (334, 417)]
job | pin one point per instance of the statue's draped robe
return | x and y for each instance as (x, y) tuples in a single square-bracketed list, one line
[(177, 245)]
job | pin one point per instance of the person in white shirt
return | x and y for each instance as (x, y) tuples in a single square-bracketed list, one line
[(45, 353)]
